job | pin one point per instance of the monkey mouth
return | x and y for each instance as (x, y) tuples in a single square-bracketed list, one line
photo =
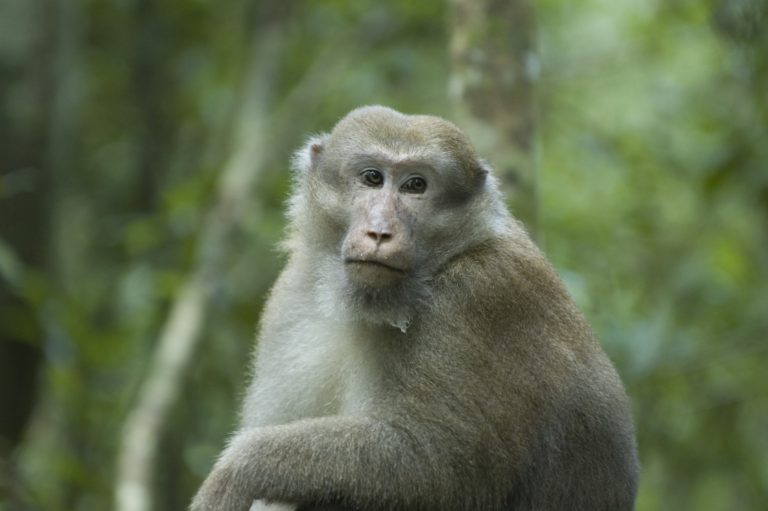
[(372, 263)]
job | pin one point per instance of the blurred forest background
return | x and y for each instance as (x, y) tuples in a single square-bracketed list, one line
[(144, 148)]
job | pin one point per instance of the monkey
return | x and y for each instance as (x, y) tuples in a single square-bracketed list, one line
[(418, 352)]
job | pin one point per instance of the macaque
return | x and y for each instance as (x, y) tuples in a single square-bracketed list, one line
[(418, 351)]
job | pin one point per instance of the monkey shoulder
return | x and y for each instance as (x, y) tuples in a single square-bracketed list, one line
[(507, 282), (288, 304), (504, 302)]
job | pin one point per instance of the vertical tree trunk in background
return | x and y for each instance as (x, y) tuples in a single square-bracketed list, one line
[(150, 87), (23, 188), (494, 71), (181, 333), (39, 70), (23, 225), (65, 22)]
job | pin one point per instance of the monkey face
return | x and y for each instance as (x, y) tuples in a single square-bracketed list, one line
[(379, 249), (390, 198)]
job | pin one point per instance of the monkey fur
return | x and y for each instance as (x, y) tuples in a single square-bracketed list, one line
[(418, 352)]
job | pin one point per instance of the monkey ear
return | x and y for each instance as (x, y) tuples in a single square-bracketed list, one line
[(482, 171), (309, 155), (483, 167)]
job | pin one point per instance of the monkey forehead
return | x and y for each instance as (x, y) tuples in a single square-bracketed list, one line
[(402, 136)]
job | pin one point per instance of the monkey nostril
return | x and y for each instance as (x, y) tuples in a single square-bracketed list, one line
[(379, 236)]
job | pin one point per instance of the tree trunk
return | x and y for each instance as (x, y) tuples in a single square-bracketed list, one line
[(23, 218), (494, 71), (38, 54), (181, 332)]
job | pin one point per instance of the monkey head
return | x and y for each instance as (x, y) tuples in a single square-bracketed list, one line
[(389, 198)]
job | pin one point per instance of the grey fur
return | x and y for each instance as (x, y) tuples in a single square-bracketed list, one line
[(495, 397)]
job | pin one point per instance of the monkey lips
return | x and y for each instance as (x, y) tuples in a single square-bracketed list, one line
[(373, 273)]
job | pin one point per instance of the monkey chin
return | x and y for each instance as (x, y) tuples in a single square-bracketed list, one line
[(374, 274), (380, 294)]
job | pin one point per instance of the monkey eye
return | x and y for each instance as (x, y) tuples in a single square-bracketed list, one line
[(372, 177), (414, 185)]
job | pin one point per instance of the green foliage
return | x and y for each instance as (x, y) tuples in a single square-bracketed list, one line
[(653, 206), (653, 184)]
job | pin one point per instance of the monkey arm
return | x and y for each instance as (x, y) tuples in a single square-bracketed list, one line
[(321, 460)]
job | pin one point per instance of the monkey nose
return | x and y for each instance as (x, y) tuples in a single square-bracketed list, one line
[(379, 236)]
